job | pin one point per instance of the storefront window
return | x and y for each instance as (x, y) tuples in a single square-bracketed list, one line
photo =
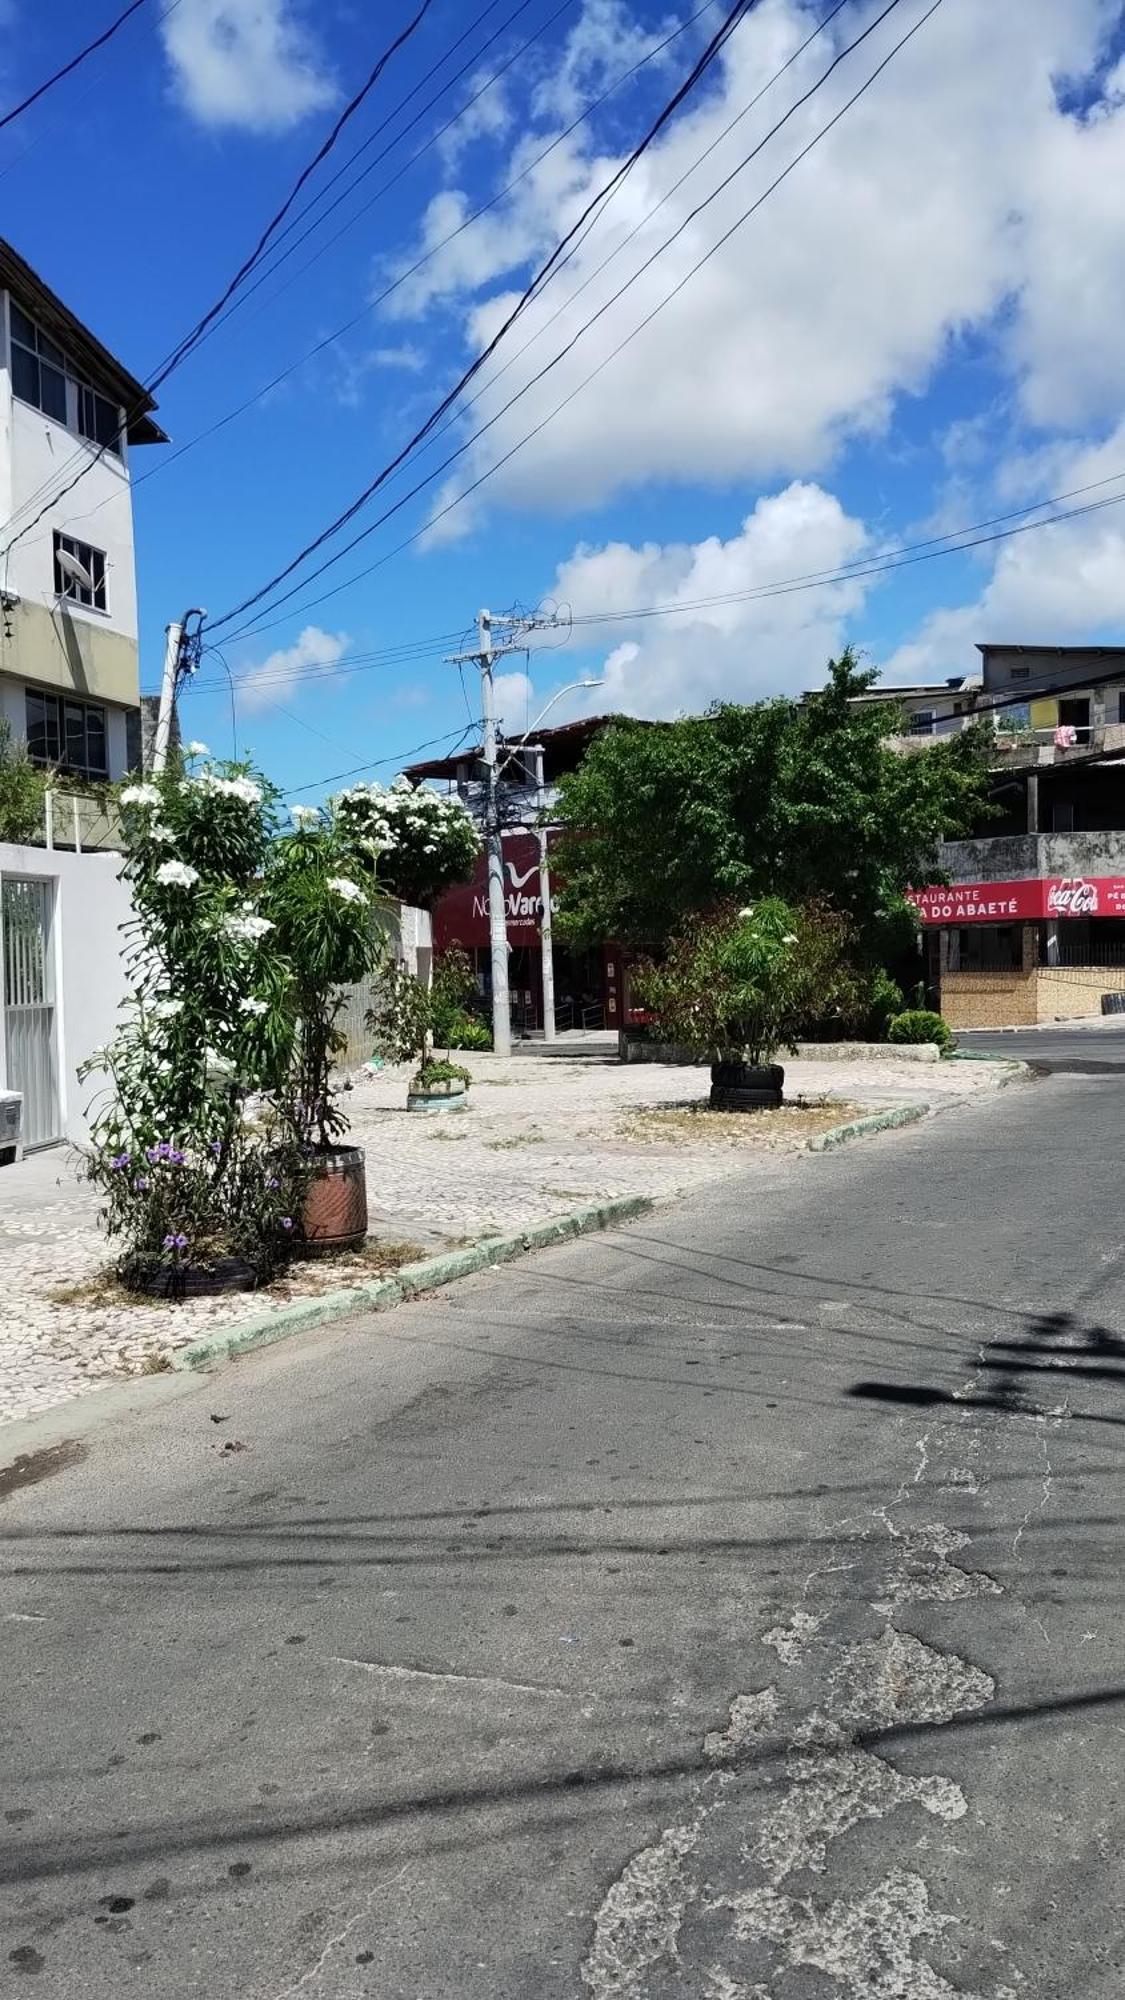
[(986, 948)]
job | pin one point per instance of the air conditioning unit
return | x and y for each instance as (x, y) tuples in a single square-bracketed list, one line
[(11, 1125)]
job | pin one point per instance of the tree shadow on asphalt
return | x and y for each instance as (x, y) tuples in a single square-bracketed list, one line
[(1059, 1346)]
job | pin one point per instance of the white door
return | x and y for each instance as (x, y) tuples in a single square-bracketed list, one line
[(26, 913)]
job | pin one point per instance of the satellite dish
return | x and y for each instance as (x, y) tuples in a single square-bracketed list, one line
[(71, 567)]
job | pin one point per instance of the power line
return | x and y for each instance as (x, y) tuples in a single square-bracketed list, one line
[(330, 339), (699, 69), (381, 763), (68, 68), (192, 339), (419, 153), (533, 380)]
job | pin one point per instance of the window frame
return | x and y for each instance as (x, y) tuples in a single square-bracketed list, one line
[(94, 561), (28, 341), (62, 718)]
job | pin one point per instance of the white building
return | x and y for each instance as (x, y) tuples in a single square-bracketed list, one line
[(69, 673)]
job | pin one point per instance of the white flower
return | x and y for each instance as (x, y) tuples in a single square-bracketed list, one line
[(789, 938), (166, 1010), (140, 795), (247, 929), (197, 750), (161, 833), (229, 788), (304, 815), (747, 912), (176, 874), (350, 891), (252, 1006)]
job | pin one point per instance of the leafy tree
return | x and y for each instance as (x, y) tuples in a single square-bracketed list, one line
[(21, 790), (800, 800)]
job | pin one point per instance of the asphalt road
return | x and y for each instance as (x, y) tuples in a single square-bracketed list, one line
[(1081, 1048), (728, 1608)]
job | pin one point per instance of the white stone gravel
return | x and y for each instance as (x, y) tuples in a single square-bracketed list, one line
[(541, 1136)]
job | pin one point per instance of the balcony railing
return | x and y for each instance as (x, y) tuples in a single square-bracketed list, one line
[(83, 822)]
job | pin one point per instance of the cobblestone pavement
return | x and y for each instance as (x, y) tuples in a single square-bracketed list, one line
[(541, 1136)]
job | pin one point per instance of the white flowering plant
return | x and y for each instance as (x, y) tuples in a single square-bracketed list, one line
[(419, 843), (320, 904), (209, 1022)]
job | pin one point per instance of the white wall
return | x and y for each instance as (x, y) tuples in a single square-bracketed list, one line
[(91, 904), (43, 455)]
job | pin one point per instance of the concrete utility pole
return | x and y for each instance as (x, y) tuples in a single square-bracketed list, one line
[(173, 638), (497, 913), (181, 658), (514, 636), (545, 940)]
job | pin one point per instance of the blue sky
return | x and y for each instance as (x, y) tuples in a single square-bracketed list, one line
[(919, 329)]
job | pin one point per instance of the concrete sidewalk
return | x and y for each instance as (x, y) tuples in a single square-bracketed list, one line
[(543, 1135)]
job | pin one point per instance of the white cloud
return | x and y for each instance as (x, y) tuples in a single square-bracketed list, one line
[(248, 63), (488, 117), (514, 694), (272, 680), (848, 288), (740, 650), (605, 42), (1050, 586)]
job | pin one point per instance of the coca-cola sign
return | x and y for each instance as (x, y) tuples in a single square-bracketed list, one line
[(1074, 897)]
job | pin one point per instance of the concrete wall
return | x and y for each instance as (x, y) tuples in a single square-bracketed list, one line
[(1029, 856), (91, 905)]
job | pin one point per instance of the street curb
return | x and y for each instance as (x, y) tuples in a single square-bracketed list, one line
[(875, 1121), (411, 1282)]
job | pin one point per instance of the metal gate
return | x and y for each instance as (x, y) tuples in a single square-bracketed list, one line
[(26, 909)]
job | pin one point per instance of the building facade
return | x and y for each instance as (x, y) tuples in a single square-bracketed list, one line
[(69, 666)]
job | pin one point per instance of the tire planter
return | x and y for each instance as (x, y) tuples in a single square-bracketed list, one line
[(194, 1281), (334, 1216), (739, 1086), (450, 1096)]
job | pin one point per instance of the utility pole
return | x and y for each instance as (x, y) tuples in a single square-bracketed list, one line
[(545, 940), (173, 638), (514, 636), (181, 659), (497, 914)]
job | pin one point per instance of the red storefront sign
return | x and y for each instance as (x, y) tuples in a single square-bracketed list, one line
[(1055, 897), (461, 917)]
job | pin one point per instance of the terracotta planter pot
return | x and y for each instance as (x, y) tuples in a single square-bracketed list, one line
[(739, 1086), (334, 1216)]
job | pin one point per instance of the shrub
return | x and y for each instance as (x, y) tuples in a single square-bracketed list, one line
[(736, 983), (21, 790), (919, 1025), (434, 1071), (453, 997)]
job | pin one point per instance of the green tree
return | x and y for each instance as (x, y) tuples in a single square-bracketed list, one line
[(21, 790), (803, 800)]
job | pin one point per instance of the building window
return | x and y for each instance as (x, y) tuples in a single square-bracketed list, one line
[(922, 722), (79, 572), (66, 735), (987, 948), (43, 376), (1019, 673)]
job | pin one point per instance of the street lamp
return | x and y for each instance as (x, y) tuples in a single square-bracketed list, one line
[(546, 943)]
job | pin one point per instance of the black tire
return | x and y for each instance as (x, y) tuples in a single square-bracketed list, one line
[(744, 1100)]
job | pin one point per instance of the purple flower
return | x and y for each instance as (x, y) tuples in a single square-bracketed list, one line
[(142, 1184), (176, 1158), (152, 1155), (119, 1161), (272, 1181), (181, 1242), (169, 1242), (165, 1151), (287, 1222), (216, 1147)]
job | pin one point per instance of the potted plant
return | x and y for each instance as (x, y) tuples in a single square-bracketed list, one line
[(193, 1192), (403, 1021), (323, 922), (733, 988)]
